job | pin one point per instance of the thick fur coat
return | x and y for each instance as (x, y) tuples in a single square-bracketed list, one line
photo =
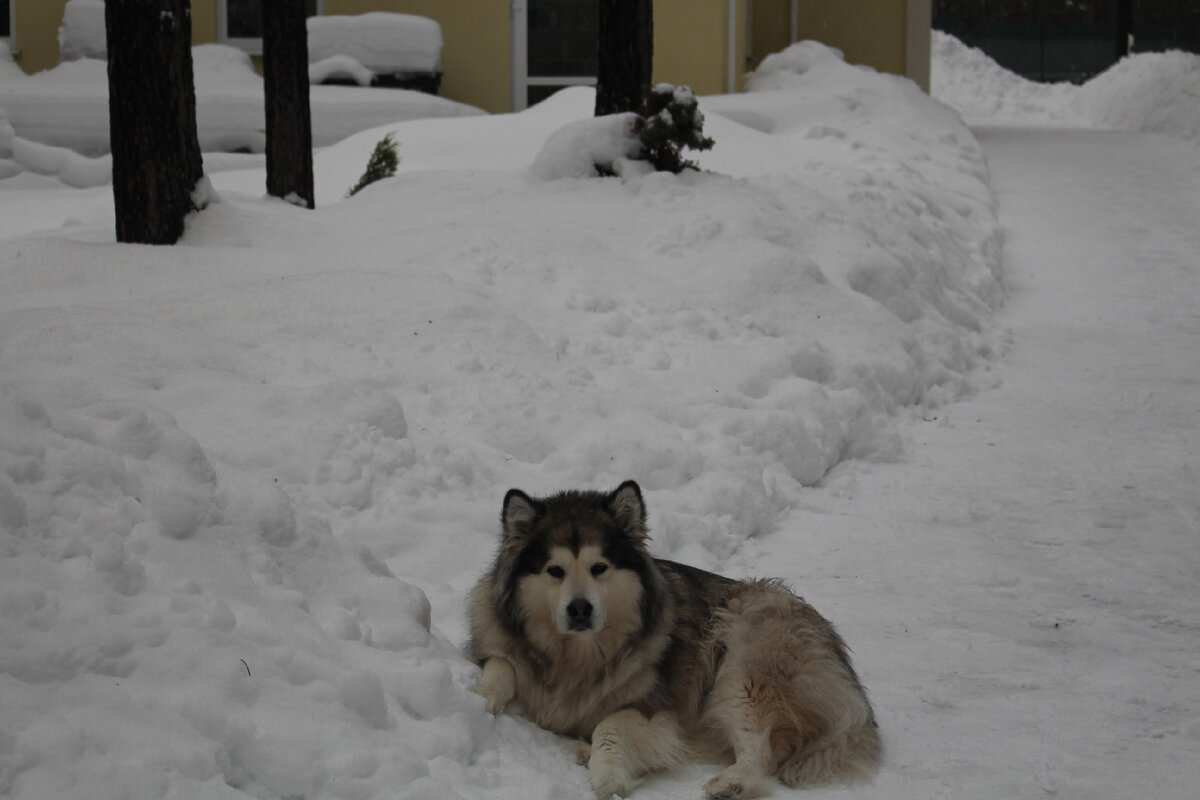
[(647, 662)]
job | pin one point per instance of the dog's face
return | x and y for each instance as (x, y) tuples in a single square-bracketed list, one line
[(574, 563)]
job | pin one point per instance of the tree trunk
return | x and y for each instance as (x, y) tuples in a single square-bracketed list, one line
[(1124, 27), (624, 56), (285, 85), (156, 158)]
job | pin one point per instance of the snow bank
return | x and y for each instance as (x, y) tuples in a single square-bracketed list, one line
[(67, 106), (247, 481), (82, 33), (578, 149), (1155, 92), (74, 170), (383, 42)]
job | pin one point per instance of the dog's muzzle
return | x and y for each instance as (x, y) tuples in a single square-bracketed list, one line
[(579, 615)]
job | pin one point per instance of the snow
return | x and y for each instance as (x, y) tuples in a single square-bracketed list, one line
[(382, 41), (945, 389), (339, 66), (82, 33), (1145, 92), (576, 150), (67, 107)]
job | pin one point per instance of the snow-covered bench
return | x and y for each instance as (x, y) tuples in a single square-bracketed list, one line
[(378, 48)]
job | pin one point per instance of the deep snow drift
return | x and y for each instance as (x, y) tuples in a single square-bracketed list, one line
[(230, 464), (247, 481)]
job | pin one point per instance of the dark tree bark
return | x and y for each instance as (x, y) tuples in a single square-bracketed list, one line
[(156, 158), (624, 56), (1124, 27), (285, 84)]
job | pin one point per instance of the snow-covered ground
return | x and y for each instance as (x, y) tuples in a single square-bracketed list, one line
[(246, 481), (55, 122)]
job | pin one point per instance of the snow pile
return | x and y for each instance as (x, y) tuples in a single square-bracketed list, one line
[(82, 33), (576, 150), (1156, 92), (247, 481), (381, 41), (981, 90), (339, 67), (67, 107), (8, 67)]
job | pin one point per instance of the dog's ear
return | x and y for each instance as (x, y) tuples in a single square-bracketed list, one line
[(520, 510), (630, 511)]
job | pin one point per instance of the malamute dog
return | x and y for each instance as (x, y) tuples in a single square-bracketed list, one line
[(646, 661)]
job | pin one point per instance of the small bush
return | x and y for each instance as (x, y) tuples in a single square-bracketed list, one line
[(382, 164), (672, 121)]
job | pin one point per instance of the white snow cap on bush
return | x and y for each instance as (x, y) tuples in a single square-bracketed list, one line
[(576, 149)]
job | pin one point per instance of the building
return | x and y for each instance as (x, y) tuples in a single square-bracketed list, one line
[(501, 55)]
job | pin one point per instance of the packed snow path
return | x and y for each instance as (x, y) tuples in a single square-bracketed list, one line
[(1052, 524)]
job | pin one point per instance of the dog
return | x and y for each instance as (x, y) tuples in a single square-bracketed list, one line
[(647, 662)]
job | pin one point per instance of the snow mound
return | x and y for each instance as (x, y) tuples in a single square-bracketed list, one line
[(67, 107), (247, 481), (579, 148), (969, 80), (134, 566), (1157, 92), (382, 41), (781, 70), (339, 67), (1154, 92), (82, 33)]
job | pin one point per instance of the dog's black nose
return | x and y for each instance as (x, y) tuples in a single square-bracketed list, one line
[(579, 614)]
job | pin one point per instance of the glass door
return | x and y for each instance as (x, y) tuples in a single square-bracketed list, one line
[(554, 45)]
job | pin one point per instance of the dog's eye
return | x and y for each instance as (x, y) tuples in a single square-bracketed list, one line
[(599, 568), (556, 572)]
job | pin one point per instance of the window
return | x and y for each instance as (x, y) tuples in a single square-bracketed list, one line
[(239, 22), (554, 46)]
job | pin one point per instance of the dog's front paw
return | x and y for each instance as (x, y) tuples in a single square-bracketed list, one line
[(738, 783), (609, 774), (495, 702), (582, 751), (498, 684)]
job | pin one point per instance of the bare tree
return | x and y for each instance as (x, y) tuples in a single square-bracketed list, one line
[(625, 55), (285, 85), (156, 158)]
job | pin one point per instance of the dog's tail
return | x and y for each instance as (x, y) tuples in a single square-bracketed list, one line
[(852, 757)]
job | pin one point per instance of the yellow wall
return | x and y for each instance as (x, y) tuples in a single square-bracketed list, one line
[(682, 30), (38, 22), (870, 32), (37, 33), (770, 29)]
